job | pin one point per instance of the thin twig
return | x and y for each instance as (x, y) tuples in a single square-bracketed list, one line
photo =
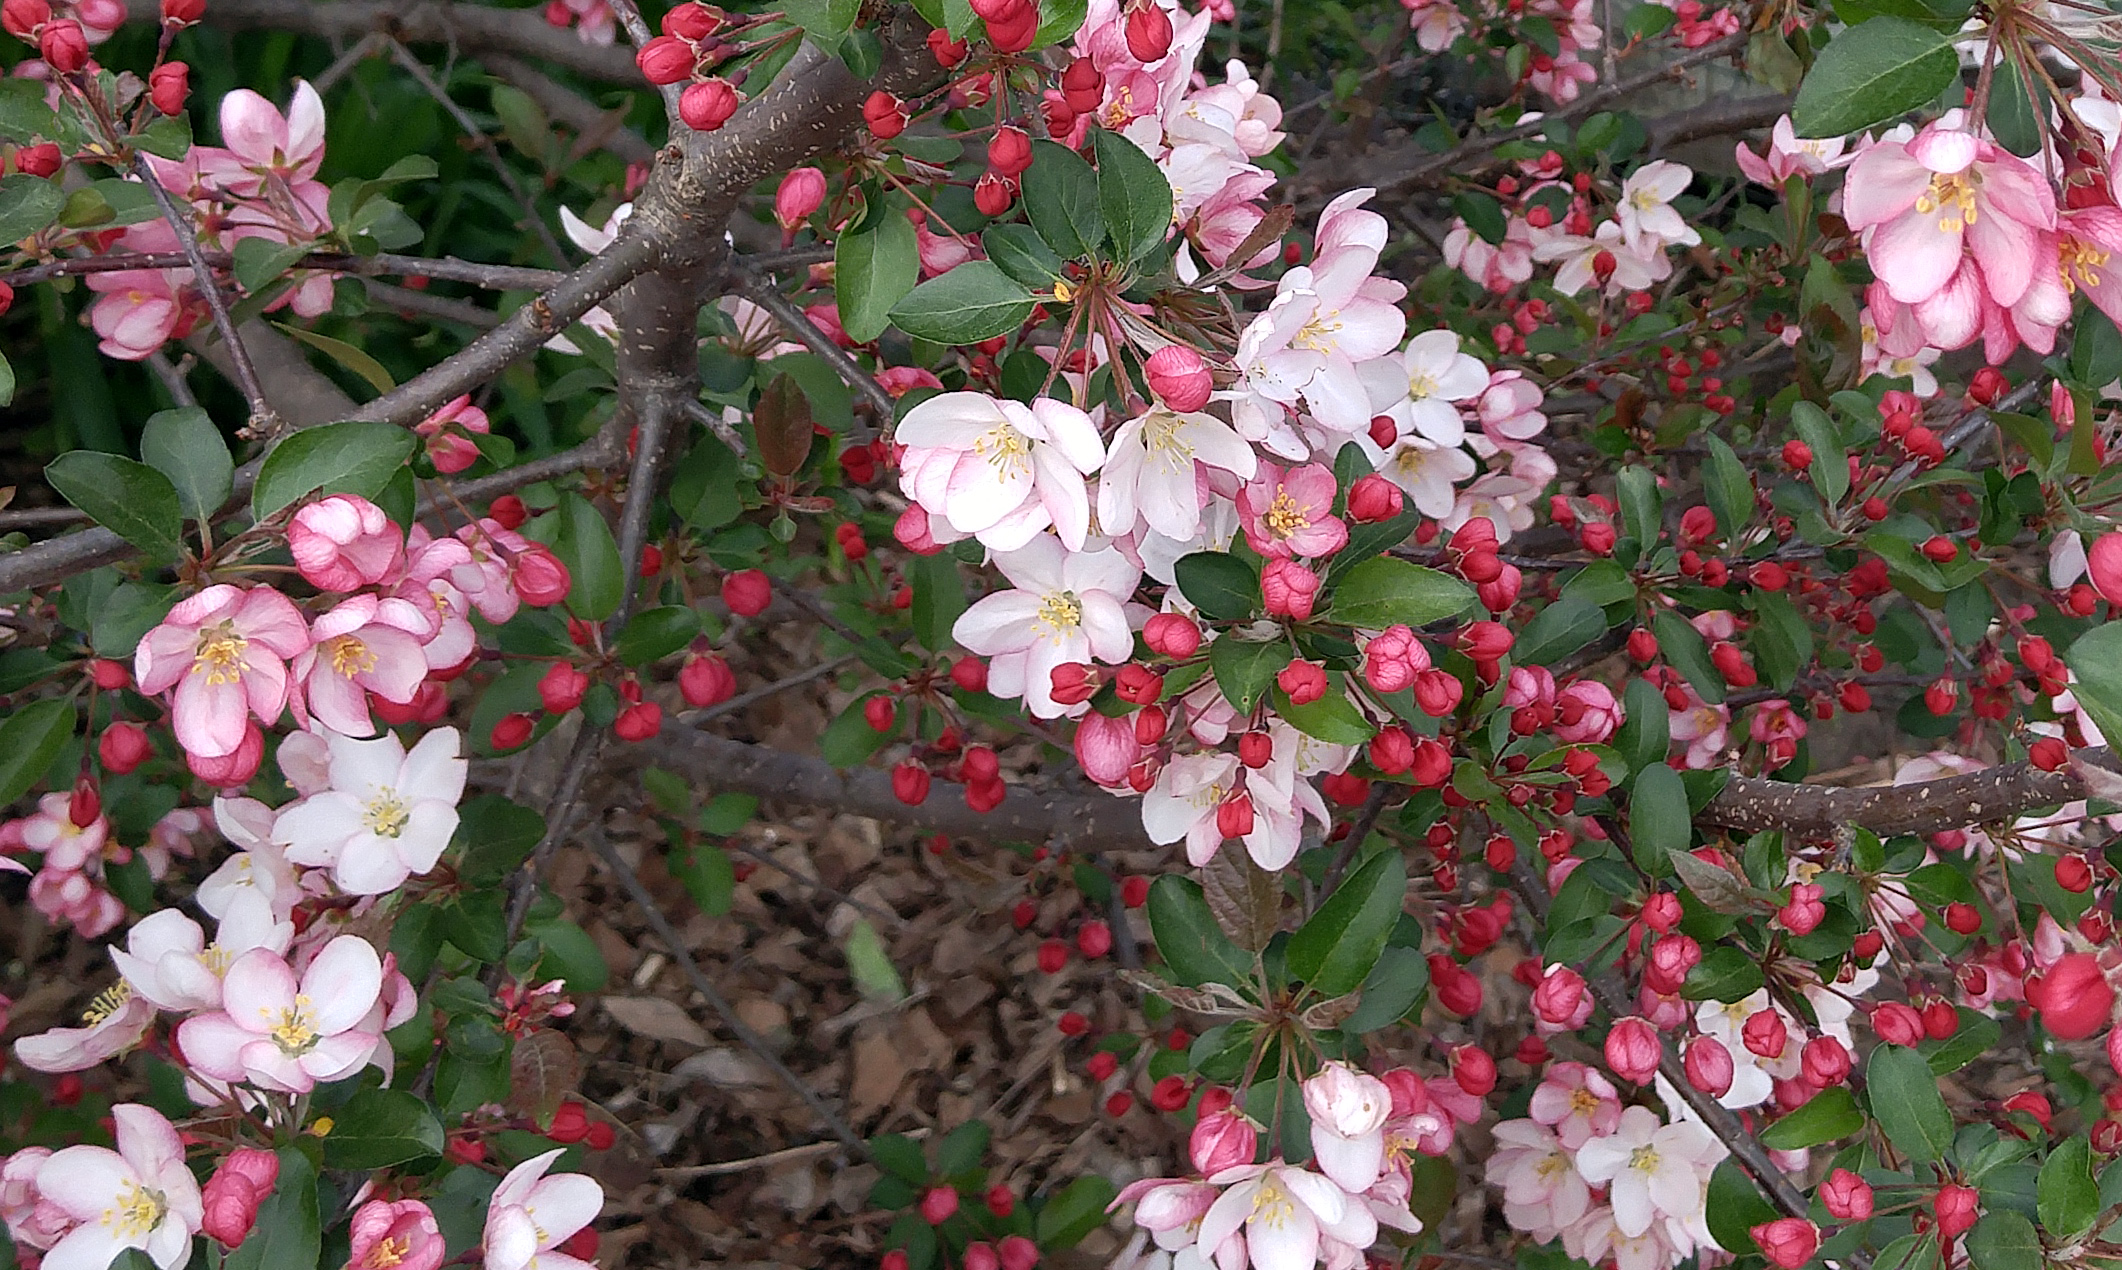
[(769, 297), (761, 693), (809, 1150), (263, 420)]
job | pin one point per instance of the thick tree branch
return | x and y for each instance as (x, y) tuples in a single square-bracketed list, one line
[(468, 28), (2003, 792)]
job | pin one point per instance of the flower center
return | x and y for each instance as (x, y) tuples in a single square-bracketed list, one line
[(1284, 517), (107, 1002), (296, 1031), (2081, 261), (1060, 612), (1421, 384), (388, 1252), (349, 656), (137, 1212), (1318, 334), (1162, 438), (216, 958), (1952, 196), (1644, 200), (219, 655), (386, 814), (1644, 1159), (1582, 1102), (1005, 448), (1270, 1206)]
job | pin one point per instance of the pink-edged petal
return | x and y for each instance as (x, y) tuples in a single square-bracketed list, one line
[(84, 1181), (86, 1248), (335, 1057), (209, 716), (1916, 254), (564, 1203), (343, 982), (148, 1141), (213, 1044), (1883, 183)]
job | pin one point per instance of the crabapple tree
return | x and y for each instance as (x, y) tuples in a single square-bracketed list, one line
[(1398, 563)]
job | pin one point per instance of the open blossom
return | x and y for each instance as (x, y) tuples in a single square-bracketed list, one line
[(1542, 1190), (138, 1196), (1420, 390), (1943, 197), (1290, 513), (1285, 1214), (1348, 1112), (114, 1023), (1154, 468), (283, 1034), (1651, 1169), (1789, 155), (1577, 1102), (367, 644), (998, 470), (1607, 257), (1067, 608), (225, 652), (1648, 218), (395, 1235), (534, 1212), (168, 961), (388, 815), (264, 145)]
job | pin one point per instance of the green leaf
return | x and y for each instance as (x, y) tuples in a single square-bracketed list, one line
[(1220, 585), (709, 876), (1136, 198), (1245, 671), (849, 740), (2012, 117), (378, 1128), (497, 834), (577, 533), (899, 1156), (656, 633), (1872, 74), (130, 499), (1194, 948), (2095, 348), (1061, 201), (939, 598), (287, 1232), (825, 21), (2004, 1240), (962, 1148), (1640, 504), (1905, 1101), (873, 269), (1682, 646), (973, 302), (169, 137), (1782, 639), (1830, 466), (1826, 1116), (347, 355), (27, 204), (1977, 1035), (1645, 733), (566, 952), (1724, 974), (337, 458), (29, 741), (1337, 947), (1382, 592), (1729, 486), (260, 262), (1065, 1219), (7, 382), (1019, 252), (1735, 1206), (1332, 718), (130, 611), (185, 446), (1658, 820), (1557, 631), (1395, 984), (2069, 1198), (2096, 660)]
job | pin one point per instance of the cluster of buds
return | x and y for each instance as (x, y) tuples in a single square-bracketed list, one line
[(688, 50)]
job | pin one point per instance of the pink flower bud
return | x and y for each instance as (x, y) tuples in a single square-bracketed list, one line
[(1633, 1050), (1474, 1070), (1172, 634), (235, 767), (1373, 498), (1805, 911), (1826, 1062), (707, 105), (2073, 995), (1222, 1141), (1788, 1242), (1709, 1066), (1955, 1208), (802, 192), (1438, 692), (232, 1195), (123, 747), (1018, 1253), (1765, 1033), (1847, 1196), (1586, 713), (747, 592), (1106, 747), (1670, 960), (938, 1204), (539, 576), (560, 689), (1562, 1000), (1304, 681), (1288, 588), (706, 681), (343, 543), (911, 531), (1149, 31), (63, 46), (666, 60), (1897, 1024), (1179, 378), (21, 18), (168, 85)]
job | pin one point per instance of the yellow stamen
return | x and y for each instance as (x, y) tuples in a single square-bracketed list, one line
[(1284, 518), (387, 814), (219, 654), (1270, 1206), (1060, 613), (296, 1031), (137, 1212), (1952, 196), (107, 1002), (349, 656), (388, 1252), (2081, 263)]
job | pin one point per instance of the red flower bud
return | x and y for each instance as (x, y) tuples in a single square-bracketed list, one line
[(1764, 1034), (938, 1204), (639, 721), (1179, 377), (168, 85), (1788, 1242), (707, 105), (993, 193), (42, 159), (1149, 31), (885, 115), (1897, 1024), (1094, 939), (1847, 1196), (1826, 1062), (1633, 1049), (1256, 749), (706, 681), (747, 592), (21, 18), (1474, 1070), (1955, 1205), (560, 689), (1709, 1066), (1009, 152), (2073, 996), (1373, 498), (1304, 681), (511, 730), (666, 60)]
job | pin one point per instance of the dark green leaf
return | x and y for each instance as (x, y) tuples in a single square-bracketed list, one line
[(962, 1148), (1220, 585), (849, 740), (1873, 74), (825, 21), (873, 269), (657, 632), (1826, 1116), (1782, 639), (1977, 1035), (1394, 985), (1194, 948), (1724, 974), (1729, 487), (973, 302), (1245, 671), (2069, 1198), (1332, 718), (353, 357), (1830, 466), (260, 262), (1905, 1101), (709, 876), (1136, 198), (577, 533), (1061, 201), (1383, 591), (27, 204), (2096, 660), (1640, 504), (1735, 1206), (497, 835), (378, 1128), (185, 446), (1019, 252), (1337, 947), (2004, 1240), (1645, 733), (1557, 631), (1682, 646), (337, 458), (1658, 820), (939, 598), (30, 739), (130, 499), (1065, 1219), (287, 1232)]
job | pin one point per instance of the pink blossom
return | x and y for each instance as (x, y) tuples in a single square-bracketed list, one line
[(225, 652), (1348, 1112), (388, 816), (1775, 725), (532, 1214), (1701, 727), (1290, 513), (264, 146), (138, 1196), (365, 644), (447, 445), (1943, 197), (33, 1221), (1106, 747), (1285, 1214), (1787, 155), (114, 1023), (64, 844), (1000, 471), (1542, 1190), (1577, 1102), (1586, 713), (281, 1034), (401, 1234), (1393, 658)]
